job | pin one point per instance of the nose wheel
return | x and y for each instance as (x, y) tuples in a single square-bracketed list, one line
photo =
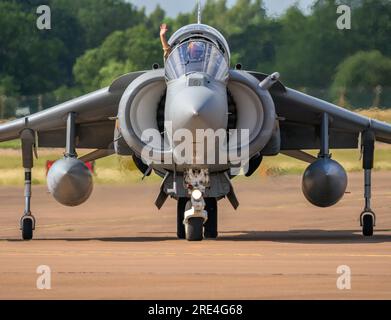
[(196, 215), (194, 228), (190, 229)]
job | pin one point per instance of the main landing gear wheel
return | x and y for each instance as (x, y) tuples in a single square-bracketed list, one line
[(194, 228), (210, 230), (367, 225), (181, 208), (27, 226)]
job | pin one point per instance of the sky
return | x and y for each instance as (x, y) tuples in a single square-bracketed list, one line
[(173, 7)]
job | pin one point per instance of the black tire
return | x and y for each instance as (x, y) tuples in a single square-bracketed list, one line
[(181, 208), (194, 229), (27, 229), (210, 230), (367, 225)]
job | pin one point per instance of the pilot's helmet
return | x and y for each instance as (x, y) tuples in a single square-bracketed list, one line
[(196, 50)]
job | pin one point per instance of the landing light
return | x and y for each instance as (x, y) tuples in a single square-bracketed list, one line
[(196, 194)]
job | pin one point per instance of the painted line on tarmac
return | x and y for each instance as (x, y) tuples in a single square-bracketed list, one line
[(194, 254), (124, 253)]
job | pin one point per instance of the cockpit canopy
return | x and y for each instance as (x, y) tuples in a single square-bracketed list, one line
[(204, 31), (197, 55)]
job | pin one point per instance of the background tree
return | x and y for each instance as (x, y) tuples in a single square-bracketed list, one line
[(123, 51), (94, 41), (29, 59), (371, 28), (99, 18), (155, 19), (362, 72)]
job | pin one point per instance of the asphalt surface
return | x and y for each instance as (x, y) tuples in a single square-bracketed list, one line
[(275, 246)]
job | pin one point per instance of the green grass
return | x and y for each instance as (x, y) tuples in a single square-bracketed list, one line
[(113, 169), (376, 113), (12, 144), (121, 170), (349, 159)]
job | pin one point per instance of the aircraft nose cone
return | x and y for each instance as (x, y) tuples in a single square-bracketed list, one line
[(194, 115), (198, 108), (198, 104)]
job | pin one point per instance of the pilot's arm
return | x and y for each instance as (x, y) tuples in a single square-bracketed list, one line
[(165, 45)]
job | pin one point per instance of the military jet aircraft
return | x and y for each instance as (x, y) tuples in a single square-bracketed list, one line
[(197, 90)]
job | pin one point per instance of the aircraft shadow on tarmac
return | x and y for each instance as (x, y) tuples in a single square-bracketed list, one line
[(312, 236), (308, 236)]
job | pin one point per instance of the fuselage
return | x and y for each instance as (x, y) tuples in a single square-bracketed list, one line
[(196, 107)]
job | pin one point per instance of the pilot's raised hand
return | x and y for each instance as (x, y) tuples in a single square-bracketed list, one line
[(163, 29), (166, 46)]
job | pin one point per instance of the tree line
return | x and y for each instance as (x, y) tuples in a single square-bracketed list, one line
[(91, 42)]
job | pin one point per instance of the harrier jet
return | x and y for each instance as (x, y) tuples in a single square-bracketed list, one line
[(140, 114)]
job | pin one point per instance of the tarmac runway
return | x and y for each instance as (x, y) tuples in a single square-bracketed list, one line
[(275, 246)]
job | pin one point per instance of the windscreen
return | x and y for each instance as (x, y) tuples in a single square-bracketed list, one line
[(196, 56)]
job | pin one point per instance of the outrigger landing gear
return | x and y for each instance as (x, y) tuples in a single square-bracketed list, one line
[(27, 222), (368, 217)]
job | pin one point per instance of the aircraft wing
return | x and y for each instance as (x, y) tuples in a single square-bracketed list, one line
[(95, 123), (300, 115)]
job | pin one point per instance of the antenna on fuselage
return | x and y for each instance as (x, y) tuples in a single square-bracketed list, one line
[(199, 12)]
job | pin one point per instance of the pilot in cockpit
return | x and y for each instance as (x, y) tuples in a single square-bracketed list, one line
[(194, 54), (195, 51)]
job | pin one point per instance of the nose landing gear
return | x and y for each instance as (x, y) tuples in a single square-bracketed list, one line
[(196, 215), (209, 228)]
